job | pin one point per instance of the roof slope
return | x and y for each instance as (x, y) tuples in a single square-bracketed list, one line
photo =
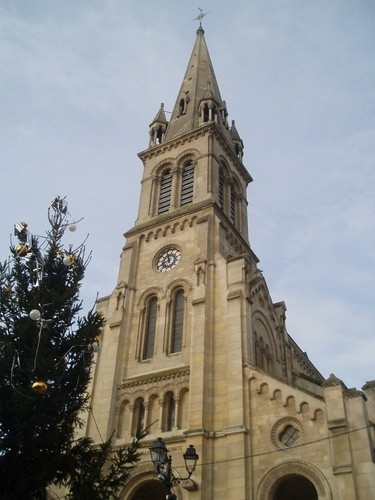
[(199, 83)]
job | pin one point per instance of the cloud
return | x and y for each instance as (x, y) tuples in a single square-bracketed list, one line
[(81, 83)]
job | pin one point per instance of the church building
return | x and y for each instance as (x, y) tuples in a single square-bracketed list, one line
[(194, 349)]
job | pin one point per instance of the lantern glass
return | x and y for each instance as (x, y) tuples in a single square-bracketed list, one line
[(190, 457), (158, 452)]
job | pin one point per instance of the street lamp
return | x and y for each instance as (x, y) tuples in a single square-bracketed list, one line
[(163, 465)]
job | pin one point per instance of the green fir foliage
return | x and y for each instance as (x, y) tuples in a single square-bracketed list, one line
[(45, 371)]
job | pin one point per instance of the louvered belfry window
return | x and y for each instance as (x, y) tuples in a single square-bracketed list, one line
[(187, 185), (165, 192), (221, 189), (177, 321), (232, 205), (150, 330)]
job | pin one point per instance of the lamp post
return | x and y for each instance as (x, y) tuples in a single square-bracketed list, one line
[(163, 465)]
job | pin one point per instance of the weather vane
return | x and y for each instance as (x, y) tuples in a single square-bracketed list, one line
[(200, 16)]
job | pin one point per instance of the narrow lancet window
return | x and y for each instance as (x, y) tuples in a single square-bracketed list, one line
[(150, 329), (221, 189), (138, 416), (169, 412), (232, 205), (177, 321)]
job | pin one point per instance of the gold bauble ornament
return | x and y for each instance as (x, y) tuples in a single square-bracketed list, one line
[(22, 250), (39, 387)]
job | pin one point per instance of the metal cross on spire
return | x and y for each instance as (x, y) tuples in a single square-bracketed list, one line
[(200, 16)]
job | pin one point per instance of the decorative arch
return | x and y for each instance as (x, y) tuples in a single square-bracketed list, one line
[(153, 423), (290, 404), (235, 195), (223, 183), (149, 309), (189, 154), (264, 345), (161, 166), (138, 423), (183, 416), (169, 412), (277, 395), (304, 409), (142, 475), (178, 282), (275, 475), (139, 393), (319, 415), (224, 164), (123, 423), (161, 189), (176, 323), (264, 388), (154, 290)]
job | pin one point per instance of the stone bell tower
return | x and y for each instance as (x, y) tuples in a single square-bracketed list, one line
[(194, 349)]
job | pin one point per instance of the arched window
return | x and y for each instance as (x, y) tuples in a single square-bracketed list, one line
[(182, 106), (138, 416), (150, 329), (206, 113), (263, 356), (165, 192), (178, 308), (158, 135), (221, 188), (169, 413), (187, 184), (233, 208)]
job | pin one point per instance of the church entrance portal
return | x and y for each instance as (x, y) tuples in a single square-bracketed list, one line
[(295, 488), (152, 490)]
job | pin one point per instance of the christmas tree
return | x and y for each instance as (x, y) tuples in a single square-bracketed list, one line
[(47, 349)]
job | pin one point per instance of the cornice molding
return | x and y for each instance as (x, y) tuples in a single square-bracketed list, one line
[(143, 380), (210, 127)]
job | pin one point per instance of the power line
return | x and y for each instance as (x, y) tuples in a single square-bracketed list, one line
[(281, 450), (96, 425)]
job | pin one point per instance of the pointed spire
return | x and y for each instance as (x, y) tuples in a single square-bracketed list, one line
[(160, 116), (199, 98)]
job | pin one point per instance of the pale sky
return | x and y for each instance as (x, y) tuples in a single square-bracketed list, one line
[(81, 81)]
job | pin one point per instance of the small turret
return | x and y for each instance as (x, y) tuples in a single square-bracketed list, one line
[(237, 141), (158, 127)]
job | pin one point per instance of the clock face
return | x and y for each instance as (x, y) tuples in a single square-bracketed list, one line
[(168, 259)]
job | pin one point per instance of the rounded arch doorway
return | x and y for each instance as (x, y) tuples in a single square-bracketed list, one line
[(150, 490), (294, 480), (294, 487)]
